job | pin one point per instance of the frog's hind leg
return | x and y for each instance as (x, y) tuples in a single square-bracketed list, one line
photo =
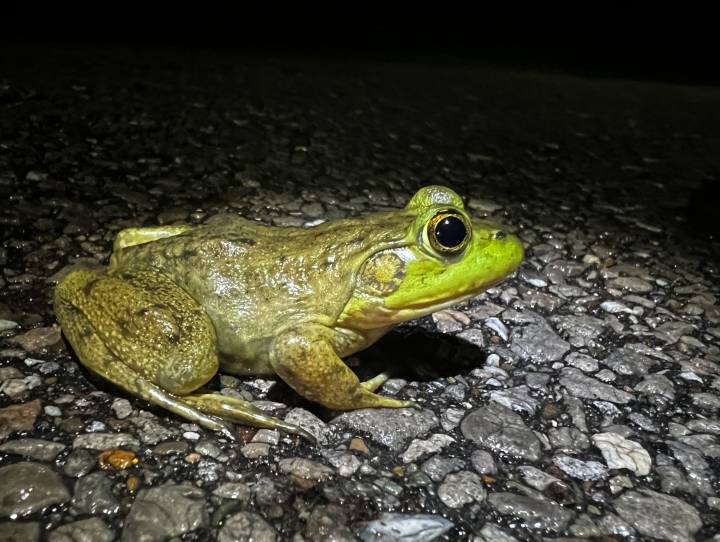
[(242, 412), (107, 319)]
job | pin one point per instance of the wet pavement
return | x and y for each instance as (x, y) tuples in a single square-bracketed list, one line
[(578, 400)]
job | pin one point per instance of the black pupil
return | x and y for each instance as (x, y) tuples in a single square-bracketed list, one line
[(450, 232)]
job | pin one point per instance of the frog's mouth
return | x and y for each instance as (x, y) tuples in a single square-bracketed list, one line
[(423, 308)]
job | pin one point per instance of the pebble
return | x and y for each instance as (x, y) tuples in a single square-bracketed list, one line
[(460, 489), (160, 513), (501, 430), (706, 401), (42, 450), (631, 284), (18, 417), (391, 527), (622, 453), (538, 344), (391, 427), (93, 495), (15, 531), (38, 339), (583, 470), (29, 487), (419, 448), (658, 515), (7, 324), (246, 526), (586, 387), (532, 513), (103, 441), (628, 362), (306, 473)]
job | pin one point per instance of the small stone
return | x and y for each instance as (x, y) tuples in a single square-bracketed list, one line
[(18, 417), (622, 453), (483, 462), (16, 531), (539, 344), (246, 526), (38, 339), (391, 427), (658, 515), (500, 429), (419, 448), (631, 284), (306, 473), (28, 487), (392, 527), (254, 450), (532, 513), (104, 441), (583, 470), (460, 489), (42, 450), (706, 401), (93, 495), (162, 512), (122, 408), (86, 530), (358, 445), (233, 490)]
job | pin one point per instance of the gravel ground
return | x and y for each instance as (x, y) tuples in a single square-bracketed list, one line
[(578, 400)]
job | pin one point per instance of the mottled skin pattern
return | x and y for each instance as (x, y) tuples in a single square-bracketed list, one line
[(176, 303)]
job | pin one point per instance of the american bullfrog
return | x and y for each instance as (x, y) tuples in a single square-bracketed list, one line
[(177, 303)]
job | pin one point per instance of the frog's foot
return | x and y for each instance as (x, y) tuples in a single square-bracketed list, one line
[(242, 412), (375, 383), (305, 358)]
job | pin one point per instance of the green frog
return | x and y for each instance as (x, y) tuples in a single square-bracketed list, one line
[(178, 303)]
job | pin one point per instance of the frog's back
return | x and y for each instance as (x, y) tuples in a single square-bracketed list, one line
[(253, 280)]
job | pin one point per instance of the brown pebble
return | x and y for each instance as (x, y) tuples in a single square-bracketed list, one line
[(117, 459), (358, 445), (39, 338), (18, 417), (133, 483), (193, 457), (72, 425), (550, 411)]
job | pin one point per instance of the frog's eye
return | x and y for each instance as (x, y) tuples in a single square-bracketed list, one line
[(448, 232)]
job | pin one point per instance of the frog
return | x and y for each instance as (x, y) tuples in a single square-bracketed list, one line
[(179, 303)]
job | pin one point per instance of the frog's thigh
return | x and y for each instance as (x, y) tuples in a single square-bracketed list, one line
[(94, 354), (304, 358), (147, 321)]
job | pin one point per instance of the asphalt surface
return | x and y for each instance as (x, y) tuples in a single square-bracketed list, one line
[(577, 400)]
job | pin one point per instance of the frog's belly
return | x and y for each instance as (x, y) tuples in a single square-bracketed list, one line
[(244, 357)]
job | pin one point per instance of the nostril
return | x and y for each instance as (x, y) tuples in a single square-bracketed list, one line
[(499, 235)]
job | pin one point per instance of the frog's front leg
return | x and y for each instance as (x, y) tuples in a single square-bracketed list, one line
[(305, 357)]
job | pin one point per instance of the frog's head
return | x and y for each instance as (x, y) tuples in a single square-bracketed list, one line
[(439, 257)]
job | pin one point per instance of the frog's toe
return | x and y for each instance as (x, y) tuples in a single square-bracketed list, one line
[(375, 383)]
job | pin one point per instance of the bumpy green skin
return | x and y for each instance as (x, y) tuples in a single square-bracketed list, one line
[(176, 303)]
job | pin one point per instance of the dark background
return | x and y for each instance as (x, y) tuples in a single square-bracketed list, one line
[(641, 41), (636, 41)]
